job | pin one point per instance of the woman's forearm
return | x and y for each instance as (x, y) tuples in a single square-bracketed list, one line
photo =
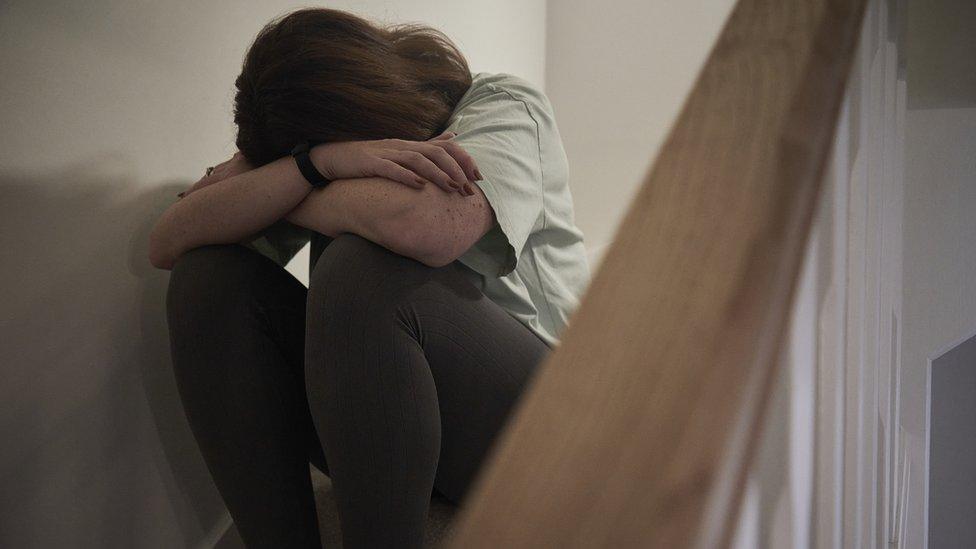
[(370, 207), (227, 211), (430, 225)]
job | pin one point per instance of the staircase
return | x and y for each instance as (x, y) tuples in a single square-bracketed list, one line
[(643, 427)]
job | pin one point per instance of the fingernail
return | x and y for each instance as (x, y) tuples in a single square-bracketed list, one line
[(467, 187), (477, 175), (421, 180), (454, 185)]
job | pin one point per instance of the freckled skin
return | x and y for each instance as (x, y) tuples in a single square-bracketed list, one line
[(428, 224), (234, 201)]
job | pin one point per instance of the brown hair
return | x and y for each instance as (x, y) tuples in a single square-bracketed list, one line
[(327, 75)]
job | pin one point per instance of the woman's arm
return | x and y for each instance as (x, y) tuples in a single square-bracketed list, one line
[(433, 224), (428, 224), (227, 211), (236, 202)]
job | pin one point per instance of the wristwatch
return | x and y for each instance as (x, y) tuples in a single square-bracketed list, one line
[(305, 165)]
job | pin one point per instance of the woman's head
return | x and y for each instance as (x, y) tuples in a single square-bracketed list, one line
[(327, 75)]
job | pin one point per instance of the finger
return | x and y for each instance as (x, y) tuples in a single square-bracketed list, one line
[(465, 160), (462, 157), (200, 183), (218, 173), (222, 165), (444, 135), (441, 157), (424, 167), (395, 172), (190, 191)]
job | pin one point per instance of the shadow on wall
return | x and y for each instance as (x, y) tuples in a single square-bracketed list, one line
[(96, 450)]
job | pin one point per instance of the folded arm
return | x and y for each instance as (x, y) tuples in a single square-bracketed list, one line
[(228, 211), (378, 191), (428, 224)]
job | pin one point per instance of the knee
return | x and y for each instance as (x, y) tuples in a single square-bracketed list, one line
[(355, 278), (350, 258), (214, 277)]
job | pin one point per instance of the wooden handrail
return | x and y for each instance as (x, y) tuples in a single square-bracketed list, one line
[(638, 429)]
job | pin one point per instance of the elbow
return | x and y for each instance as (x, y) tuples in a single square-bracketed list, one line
[(160, 252), (429, 245), (435, 258), (161, 261), (440, 251), (425, 233)]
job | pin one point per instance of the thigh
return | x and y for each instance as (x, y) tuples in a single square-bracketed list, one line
[(237, 324), (405, 326), (481, 359)]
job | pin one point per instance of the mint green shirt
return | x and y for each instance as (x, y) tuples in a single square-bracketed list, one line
[(532, 263)]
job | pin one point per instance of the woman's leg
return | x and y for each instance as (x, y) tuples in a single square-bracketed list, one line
[(411, 372), (237, 331)]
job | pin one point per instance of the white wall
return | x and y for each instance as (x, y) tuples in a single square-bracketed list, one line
[(110, 107), (952, 453), (940, 213), (941, 60), (940, 260), (617, 74)]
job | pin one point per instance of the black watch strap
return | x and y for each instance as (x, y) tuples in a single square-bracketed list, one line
[(305, 165)]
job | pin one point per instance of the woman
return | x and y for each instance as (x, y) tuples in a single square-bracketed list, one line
[(445, 263)]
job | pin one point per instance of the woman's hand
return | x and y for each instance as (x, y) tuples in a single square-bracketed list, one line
[(413, 163), (236, 164)]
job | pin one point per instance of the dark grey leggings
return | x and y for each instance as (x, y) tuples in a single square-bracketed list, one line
[(390, 376)]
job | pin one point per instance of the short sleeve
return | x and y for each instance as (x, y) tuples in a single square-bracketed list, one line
[(280, 242), (499, 132)]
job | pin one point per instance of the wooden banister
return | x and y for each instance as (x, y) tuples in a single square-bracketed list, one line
[(638, 430)]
